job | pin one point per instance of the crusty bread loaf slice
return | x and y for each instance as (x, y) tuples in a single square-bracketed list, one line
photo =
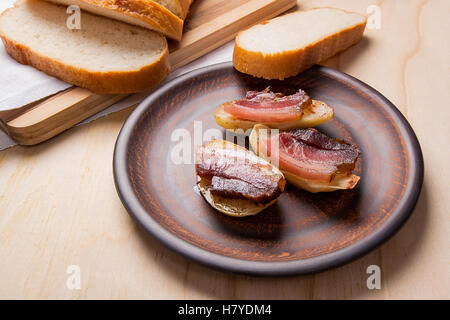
[(179, 7), (285, 46), (145, 13), (104, 56)]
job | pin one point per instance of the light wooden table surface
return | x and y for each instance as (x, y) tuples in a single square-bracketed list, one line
[(59, 207)]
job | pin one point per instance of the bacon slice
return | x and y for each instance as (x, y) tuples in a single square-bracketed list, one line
[(310, 154), (238, 173), (266, 106)]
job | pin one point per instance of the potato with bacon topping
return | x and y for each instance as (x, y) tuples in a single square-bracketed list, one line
[(236, 181)]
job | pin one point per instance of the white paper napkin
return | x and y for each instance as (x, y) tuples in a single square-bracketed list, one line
[(21, 84), (49, 85)]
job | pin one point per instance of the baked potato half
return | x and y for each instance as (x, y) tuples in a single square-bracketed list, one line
[(340, 181), (235, 206), (319, 113)]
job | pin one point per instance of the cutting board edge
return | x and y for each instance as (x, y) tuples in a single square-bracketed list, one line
[(30, 125)]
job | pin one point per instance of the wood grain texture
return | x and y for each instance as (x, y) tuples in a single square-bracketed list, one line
[(59, 206)]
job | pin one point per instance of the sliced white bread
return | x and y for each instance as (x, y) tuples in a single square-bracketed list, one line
[(178, 7), (104, 56), (145, 13), (285, 46)]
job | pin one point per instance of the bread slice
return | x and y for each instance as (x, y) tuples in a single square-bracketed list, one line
[(145, 13), (178, 7), (104, 56), (285, 46)]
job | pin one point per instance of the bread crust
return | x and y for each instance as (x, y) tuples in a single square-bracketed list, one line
[(117, 82), (185, 5), (286, 64), (152, 15), (182, 7)]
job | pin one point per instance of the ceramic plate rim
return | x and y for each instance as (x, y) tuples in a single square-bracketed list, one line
[(286, 268)]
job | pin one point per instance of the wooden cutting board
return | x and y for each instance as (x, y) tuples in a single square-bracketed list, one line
[(210, 24)]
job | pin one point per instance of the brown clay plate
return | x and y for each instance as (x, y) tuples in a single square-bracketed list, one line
[(302, 232)]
